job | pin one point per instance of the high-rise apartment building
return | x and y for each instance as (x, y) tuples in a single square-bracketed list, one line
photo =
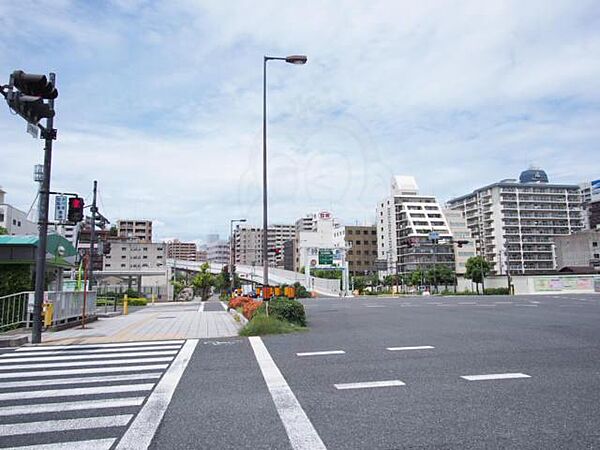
[(218, 252), (513, 223), (412, 232), (181, 250), (140, 230), (248, 242)]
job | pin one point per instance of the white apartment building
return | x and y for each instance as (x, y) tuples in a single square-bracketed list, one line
[(405, 223), (513, 223), (127, 255), (14, 220), (464, 247), (218, 252)]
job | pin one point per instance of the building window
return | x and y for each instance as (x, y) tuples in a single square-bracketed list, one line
[(594, 244), (123, 256), (122, 265), (19, 223), (107, 265), (350, 232), (14, 222)]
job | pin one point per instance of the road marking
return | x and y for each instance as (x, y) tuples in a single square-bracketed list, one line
[(48, 426), (71, 406), (69, 392), (374, 306), (88, 346), (79, 380), (467, 303), (201, 307), (420, 347), (64, 357), (531, 306), (503, 303), (52, 373), (300, 430), (93, 351), (141, 431), (369, 384), (328, 352), (84, 363), (495, 376), (94, 444), (534, 301)]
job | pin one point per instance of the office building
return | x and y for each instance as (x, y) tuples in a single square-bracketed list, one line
[(14, 220), (317, 233), (130, 255), (412, 232), (514, 222), (140, 230), (181, 250), (360, 244)]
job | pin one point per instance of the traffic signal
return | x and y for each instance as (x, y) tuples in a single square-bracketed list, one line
[(106, 248), (28, 100), (75, 213), (32, 84)]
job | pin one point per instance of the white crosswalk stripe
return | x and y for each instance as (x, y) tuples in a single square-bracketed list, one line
[(100, 386)]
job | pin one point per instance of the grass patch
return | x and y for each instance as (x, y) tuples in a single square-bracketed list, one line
[(261, 324)]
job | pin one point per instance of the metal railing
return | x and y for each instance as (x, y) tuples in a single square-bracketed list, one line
[(14, 312)]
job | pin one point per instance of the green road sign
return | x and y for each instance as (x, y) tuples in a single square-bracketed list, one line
[(325, 257)]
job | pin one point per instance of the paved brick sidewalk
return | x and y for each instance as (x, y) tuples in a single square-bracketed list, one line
[(161, 321)]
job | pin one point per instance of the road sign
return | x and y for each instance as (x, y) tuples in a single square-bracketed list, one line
[(60, 208), (434, 236), (325, 257)]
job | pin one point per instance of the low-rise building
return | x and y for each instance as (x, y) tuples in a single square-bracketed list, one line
[(581, 249), (463, 243), (140, 230), (14, 220), (131, 255), (360, 244)]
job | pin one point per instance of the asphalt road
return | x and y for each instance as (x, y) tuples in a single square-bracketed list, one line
[(541, 355)]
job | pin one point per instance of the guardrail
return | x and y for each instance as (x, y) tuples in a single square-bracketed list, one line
[(14, 312), (68, 306)]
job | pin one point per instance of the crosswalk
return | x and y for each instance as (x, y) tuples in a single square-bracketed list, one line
[(78, 396)]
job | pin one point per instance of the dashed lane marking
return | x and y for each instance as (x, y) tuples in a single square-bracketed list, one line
[(323, 353), (369, 384), (495, 376), (419, 347)]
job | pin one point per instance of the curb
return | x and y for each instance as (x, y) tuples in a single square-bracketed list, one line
[(16, 341), (235, 314)]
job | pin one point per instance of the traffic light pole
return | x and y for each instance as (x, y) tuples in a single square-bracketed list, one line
[(93, 209), (40, 263)]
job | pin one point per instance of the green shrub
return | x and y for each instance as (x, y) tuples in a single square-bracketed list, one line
[(301, 291), (261, 324), (497, 291), (137, 301), (289, 310)]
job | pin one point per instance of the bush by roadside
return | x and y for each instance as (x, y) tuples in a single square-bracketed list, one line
[(488, 291), (262, 324), (290, 310), (131, 301)]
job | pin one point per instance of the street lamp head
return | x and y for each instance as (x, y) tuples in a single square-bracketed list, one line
[(296, 59)]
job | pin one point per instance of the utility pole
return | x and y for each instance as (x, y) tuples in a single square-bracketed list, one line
[(49, 134), (94, 210)]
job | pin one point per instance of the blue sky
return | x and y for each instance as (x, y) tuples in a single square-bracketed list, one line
[(161, 102)]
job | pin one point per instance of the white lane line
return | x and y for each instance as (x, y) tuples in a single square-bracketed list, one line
[(495, 376), (327, 352), (84, 346), (84, 363), (70, 392), (93, 444), (141, 431), (300, 430), (534, 302), (530, 306), (419, 347), (369, 384), (92, 351), (374, 306), (201, 307), (503, 303), (467, 303), (52, 373), (64, 357), (48, 426), (71, 406), (80, 380)]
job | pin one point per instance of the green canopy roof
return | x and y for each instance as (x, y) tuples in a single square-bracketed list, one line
[(53, 243)]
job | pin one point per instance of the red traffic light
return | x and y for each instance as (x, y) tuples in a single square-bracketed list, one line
[(75, 213)]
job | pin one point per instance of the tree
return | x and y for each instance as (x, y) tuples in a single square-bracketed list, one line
[(203, 281), (446, 276), (416, 278), (15, 278), (3, 231), (477, 268)]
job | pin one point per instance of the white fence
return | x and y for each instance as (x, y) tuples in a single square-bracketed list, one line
[(13, 311)]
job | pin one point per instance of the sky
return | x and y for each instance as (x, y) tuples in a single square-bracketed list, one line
[(161, 102)]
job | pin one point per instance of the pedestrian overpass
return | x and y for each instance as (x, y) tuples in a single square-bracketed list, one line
[(254, 274)]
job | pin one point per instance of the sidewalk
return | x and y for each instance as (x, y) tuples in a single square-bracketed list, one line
[(161, 321)]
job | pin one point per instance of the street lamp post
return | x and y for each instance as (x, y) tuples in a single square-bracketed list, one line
[(292, 59), (231, 252)]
